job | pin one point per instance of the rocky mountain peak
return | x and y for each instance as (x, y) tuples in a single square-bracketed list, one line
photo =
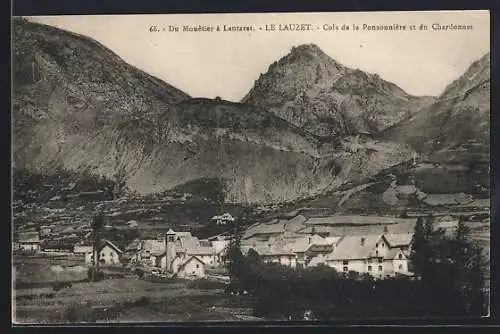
[(311, 90)]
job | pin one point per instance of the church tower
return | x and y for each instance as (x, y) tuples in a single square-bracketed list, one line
[(169, 249)]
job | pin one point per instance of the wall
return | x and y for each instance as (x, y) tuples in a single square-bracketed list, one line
[(400, 262), (109, 255), (352, 265), (382, 247), (163, 262), (192, 268), (288, 260), (29, 247), (88, 258), (208, 259), (219, 245)]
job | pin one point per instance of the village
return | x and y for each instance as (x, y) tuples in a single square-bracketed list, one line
[(380, 246)]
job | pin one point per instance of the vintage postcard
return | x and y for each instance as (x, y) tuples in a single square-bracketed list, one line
[(250, 167)]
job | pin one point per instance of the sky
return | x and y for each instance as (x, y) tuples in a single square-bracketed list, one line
[(226, 64)]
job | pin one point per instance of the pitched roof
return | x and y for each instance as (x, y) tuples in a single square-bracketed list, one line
[(134, 245), (29, 237), (183, 234), (398, 239), (296, 223), (265, 250), (354, 219), (158, 252), (271, 228), (352, 248), (448, 199), (79, 249), (302, 244), (312, 229), (220, 237), (189, 259), (393, 252), (299, 245), (205, 243), (201, 251), (153, 245), (187, 243), (112, 245)]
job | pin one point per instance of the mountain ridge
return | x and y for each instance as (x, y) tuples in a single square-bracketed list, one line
[(84, 110), (310, 89), (459, 115)]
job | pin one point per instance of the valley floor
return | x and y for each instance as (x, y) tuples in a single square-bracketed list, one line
[(114, 300)]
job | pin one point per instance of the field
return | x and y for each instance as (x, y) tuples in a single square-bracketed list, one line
[(114, 300)]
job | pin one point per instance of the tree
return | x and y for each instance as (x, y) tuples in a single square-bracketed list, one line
[(468, 277), (475, 299), (235, 261), (419, 245), (97, 224)]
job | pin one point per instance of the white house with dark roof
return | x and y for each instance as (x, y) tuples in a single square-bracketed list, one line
[(224, 219), (109, 254), (29, 242), (396, 260), (363, 254), (188, 267)]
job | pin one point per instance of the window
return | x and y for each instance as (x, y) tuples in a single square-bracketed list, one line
[(369, 260), (400, 267), (369, 268), (345, 262), (346, 269), (380, 260), (110, 254), (103, 255), (379, 268), (376, 245), (197, 266), (400, 256)]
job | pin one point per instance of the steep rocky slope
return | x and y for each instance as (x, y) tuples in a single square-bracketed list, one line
[(458, 120), (452, 138), (311, 90), (79, 107)]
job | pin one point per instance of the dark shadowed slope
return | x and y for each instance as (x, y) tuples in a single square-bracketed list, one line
[(311, 90)]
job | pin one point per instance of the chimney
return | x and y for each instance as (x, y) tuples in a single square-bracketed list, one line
[(362, 241)]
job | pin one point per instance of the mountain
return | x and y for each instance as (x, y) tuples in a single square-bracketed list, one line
[(313, 91), (452, 138), (79, 107), (458, 123)]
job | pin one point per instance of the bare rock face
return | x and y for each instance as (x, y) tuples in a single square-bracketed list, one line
[(311, 90), (79, 107), (458, 121)]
